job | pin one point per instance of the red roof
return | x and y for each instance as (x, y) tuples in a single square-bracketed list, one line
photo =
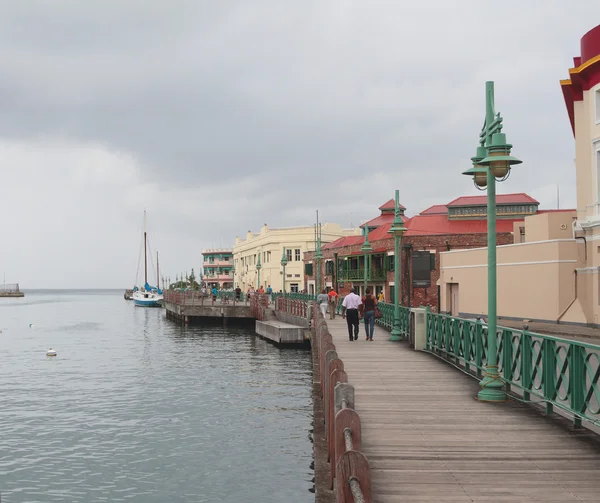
[(427, 225), (520, 198), (391, 205), (381, 232), (343, 241), (436, 209), (382, 220)]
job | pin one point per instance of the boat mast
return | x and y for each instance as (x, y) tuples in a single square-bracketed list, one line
[(145, 257), (157, 273)]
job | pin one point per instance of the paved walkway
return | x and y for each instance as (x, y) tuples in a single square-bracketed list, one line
[(428, 439)]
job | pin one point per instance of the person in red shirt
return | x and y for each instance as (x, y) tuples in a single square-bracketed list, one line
[(333, 299)]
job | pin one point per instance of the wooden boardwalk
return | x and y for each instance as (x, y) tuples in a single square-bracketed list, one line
[(428, 439)]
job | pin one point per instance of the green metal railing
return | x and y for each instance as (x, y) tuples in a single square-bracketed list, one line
[(359, 274), (387, 316), (561, 372)]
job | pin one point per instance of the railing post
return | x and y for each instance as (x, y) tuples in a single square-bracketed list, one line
[(549, 371), (479, 347), (526, 364), (577, 381), (507, 358)]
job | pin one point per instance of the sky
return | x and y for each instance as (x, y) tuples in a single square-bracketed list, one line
[(217, 117)]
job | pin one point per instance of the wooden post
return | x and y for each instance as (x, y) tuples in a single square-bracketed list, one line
[(345, 418), (329, 356), (352, 465)]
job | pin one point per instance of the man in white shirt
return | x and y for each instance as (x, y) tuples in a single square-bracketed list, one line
[(350, 307)]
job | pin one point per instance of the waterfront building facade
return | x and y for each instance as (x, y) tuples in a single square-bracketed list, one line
[(550, 272), (460, 224), (268, 245), (217, 264)]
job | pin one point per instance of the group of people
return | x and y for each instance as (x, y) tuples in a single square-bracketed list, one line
[(353, 308)]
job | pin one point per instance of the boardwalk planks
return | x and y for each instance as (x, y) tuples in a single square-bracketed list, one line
[(427, 438)]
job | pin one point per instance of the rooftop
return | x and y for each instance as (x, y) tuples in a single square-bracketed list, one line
[(436, 209), (438, 225), (519, 198)]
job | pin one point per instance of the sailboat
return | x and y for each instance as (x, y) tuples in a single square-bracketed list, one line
[(147, 296)]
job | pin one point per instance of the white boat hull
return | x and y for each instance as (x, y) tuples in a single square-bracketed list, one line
[(147, 299)]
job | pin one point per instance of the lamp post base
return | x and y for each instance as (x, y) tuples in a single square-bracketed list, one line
[(395, 335), (493, 388)]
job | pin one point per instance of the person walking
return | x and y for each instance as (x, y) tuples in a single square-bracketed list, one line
[(368, 308), (333, 298), (323, 300), (350, 306), (270, 293), (381, 297)]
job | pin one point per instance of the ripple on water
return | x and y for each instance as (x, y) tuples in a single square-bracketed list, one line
[(135, 408)]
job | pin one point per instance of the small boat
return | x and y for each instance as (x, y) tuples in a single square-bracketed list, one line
[(51, 352), (148, 296), (128, 294)]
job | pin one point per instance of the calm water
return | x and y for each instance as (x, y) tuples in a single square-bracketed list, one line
[(135, 408)]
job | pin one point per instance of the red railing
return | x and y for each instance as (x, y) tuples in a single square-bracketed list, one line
[(294, 307), (350, 473), (195, 298), (258, 304)]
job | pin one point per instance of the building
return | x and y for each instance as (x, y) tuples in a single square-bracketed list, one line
[(217, 264), (268, 245), (460, 224), (550, 272)]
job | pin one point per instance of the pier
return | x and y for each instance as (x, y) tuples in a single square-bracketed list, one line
[(10, 290), (400, 424)]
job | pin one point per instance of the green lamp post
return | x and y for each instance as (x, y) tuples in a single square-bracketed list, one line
[(318, 256), (491, 163), (366, 248), (397, 230), (258, 268), (284, 262)]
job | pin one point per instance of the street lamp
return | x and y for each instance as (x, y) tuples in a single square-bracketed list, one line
[(284, 262), (366, 248), (318, 256), (397, 230), (491, 163), (258, 267)]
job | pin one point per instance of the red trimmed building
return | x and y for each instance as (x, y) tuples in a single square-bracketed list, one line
[(460, 224)]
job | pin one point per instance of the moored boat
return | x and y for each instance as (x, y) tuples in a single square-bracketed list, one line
[(147, 296)]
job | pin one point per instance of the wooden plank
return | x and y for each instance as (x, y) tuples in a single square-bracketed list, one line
[(427, 438)]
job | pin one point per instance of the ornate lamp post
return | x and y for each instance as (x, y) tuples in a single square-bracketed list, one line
[(318, 256), (491, 162), (366, 248), (397, 230), (284, 262), (258, 267)]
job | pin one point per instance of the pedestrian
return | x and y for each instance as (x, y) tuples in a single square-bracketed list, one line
[(381, 297), (215, 292), (270, 293), (322, 300), (238, 292), (333, 298), (368, 307), (350, 306)]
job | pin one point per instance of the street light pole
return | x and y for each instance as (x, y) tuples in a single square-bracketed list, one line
[(318, 256), (258, 267), (397, 230), (491, 162), (284, 262), (366, 248)]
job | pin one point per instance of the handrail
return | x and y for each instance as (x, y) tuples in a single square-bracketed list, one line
[(563, 373), (349, 468), (196, 298)]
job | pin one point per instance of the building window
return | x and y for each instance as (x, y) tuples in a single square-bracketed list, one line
[(597, 95), (329, 267), (423, 263), (598, 169), (288, 254), (308, 269), (296, 275), (297, 255), (391, 262), (294, 287)]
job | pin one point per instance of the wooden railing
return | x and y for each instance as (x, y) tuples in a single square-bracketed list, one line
[(258, 304), (350, 473), (195, 298)]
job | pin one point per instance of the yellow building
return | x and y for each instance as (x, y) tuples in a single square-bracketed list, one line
[(268, 244), (551, 272)]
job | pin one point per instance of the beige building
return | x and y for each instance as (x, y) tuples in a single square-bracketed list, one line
[(551, 272), (269, 244)]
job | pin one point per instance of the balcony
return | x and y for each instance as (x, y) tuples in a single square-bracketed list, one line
[(217, 277), (217, 263), (359, 275)]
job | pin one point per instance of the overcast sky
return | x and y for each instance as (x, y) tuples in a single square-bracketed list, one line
[(219, 116)]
